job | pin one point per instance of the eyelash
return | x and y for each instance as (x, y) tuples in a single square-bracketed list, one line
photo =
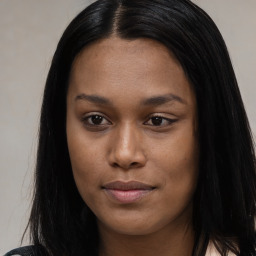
[(164, 119), (86, 118), (86, 122)]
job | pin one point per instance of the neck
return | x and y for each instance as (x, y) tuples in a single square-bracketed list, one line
[(177, 241)]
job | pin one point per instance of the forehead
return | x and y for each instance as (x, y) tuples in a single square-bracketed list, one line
[(111, 51), (114, 66), (116, 45)]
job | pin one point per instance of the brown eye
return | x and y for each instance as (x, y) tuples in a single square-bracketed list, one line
[(159, 121), (95, 120)]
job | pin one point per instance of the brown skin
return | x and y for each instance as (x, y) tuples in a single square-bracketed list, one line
[(129, 145)]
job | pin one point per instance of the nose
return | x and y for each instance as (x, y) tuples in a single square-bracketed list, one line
[(127, 149)]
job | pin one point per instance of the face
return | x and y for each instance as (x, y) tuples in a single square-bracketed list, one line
[(131, 131)]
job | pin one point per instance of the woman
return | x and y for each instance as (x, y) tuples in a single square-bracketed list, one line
[(144, 145)]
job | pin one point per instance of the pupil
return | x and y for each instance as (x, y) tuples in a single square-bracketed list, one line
[(157, 120), (96, 119)]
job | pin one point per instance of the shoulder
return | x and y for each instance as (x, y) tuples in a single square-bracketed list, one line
[(26, 251)]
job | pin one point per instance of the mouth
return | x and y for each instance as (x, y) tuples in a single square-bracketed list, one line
[(127, 192)]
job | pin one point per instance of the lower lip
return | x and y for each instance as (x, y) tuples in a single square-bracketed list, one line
[(127, 196)]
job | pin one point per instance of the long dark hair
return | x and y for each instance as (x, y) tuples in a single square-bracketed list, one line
[(224, 202)]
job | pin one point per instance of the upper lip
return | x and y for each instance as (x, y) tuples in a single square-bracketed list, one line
[(131, 185)]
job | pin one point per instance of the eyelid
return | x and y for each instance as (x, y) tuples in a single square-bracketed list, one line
[(88, 115), (85, 118), (170, 120)]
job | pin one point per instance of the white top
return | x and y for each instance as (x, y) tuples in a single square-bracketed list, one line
[(212, 251)]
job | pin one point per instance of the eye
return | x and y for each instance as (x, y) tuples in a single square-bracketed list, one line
[(95, 120), (159, 121)]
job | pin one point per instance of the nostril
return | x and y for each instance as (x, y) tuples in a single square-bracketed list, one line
[(115, 165), (126, 166)]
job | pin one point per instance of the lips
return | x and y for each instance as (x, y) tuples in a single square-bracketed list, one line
[(127, 192)]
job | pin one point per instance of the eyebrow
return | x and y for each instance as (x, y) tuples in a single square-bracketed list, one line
[(162, 99), (155, 100), (94, 99)]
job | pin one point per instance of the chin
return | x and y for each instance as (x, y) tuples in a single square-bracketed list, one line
[(133, 230), (134, 225)]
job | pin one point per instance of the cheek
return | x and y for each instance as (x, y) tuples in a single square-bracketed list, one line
[(177, 163), (86, 164)]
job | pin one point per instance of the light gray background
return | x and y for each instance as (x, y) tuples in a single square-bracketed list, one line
[(29, 31)]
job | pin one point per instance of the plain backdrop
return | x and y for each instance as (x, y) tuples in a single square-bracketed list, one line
[(29, 32)]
